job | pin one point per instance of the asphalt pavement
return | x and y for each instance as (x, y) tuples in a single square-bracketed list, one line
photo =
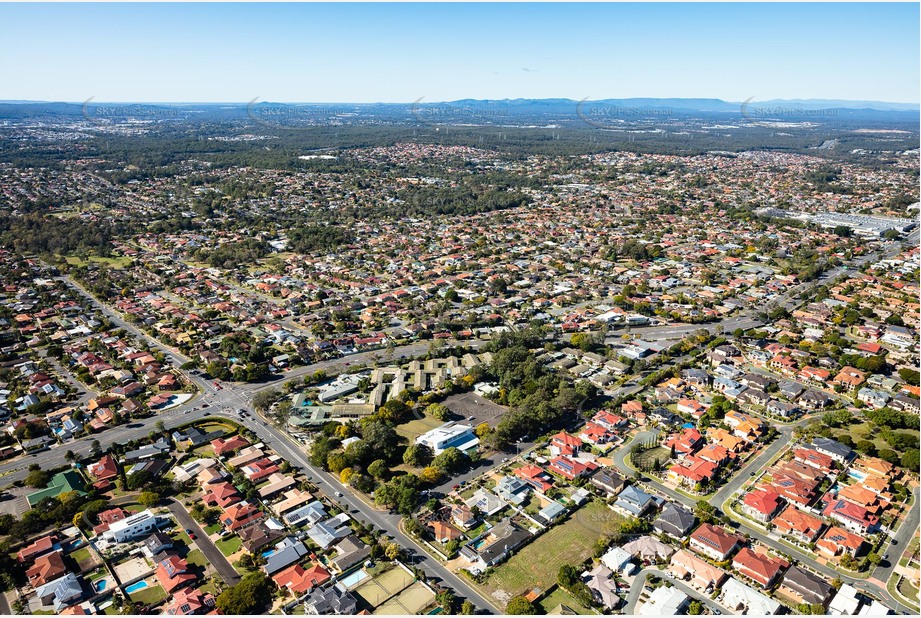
[(204, 543), (639, 584)]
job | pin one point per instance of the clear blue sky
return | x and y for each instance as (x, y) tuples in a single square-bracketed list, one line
[(399, 53)]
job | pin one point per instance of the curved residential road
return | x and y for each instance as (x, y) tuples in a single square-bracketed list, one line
[(903, 534), (639, 584)]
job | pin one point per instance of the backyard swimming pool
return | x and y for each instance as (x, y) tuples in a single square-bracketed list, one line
[(135, 587), (100, 585), (353, 578)]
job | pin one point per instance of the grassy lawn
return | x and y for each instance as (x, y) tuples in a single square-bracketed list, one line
[(180, 536), (532, 506), (197, 558), (417, 427), (475, 532), (81, 555), (149, 595), (213, 528), (907, 590), (568, 543), (211, 587), (863, 431), (229, 545), (204, 451), (647, 458), (560, 596), (111, 262), (209, 427)]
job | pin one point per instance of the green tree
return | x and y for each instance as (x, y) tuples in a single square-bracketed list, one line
[(911, 460), (148, 498), (251, 596), (337, 462), (567, 576), (378, 469), (417, 455), (520, 606), (381, 437), (263, 399), (438, 411), (450, 460), (467, 608), (37, 478), (446, 599), (394, 411), (705, 511)]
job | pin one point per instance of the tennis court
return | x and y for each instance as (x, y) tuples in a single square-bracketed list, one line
[(376, 591), (408, 603)]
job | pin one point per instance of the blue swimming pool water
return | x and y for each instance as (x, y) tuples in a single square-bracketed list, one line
[(266, 554), (353, 578), (100, 585), (136, 587)]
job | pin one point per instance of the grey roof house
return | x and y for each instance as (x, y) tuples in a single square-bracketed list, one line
[(675, 521)]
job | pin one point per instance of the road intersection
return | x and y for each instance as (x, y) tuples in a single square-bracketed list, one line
[(223, 400)]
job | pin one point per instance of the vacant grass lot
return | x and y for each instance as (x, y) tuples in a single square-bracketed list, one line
[(111, 262), (863, 431), (538, 564), (416, 427)]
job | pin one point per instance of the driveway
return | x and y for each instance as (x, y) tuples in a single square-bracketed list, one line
[(207, 547)]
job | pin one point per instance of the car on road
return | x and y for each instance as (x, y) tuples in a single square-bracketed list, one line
[(470, 418), (338, 494)]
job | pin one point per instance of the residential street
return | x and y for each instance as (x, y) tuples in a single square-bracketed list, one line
[(224, 401), (204, 543), (636, 589)]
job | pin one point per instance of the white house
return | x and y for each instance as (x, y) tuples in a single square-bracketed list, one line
[(139, 524), (746, 600)]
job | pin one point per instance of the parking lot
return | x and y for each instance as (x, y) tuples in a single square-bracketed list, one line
[(468, 405)]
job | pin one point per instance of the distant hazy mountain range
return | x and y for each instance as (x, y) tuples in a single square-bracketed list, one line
[(477, 111), (697, 105)]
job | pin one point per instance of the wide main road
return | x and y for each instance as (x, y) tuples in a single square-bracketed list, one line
[(284, 446)]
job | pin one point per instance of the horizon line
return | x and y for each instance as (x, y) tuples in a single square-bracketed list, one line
[(421, 102)]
